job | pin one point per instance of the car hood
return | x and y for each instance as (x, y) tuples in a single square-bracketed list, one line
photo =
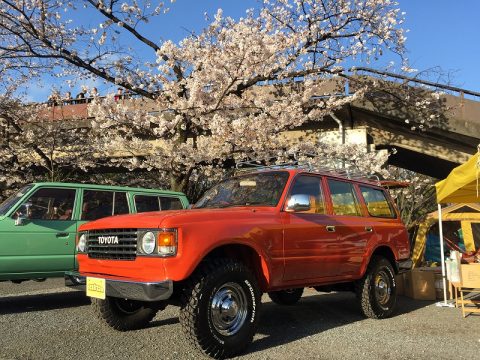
[(172, 218)]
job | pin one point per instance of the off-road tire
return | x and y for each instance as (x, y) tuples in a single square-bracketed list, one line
[(124, 315), (199, 317), (286, 297), (377, 291)]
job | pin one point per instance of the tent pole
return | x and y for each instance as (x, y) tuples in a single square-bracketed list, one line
[(442, 256)]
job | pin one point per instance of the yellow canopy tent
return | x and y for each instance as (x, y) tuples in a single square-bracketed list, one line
[(462, 213), (461, 185)]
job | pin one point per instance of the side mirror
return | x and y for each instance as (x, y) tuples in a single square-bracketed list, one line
[(23, 213), (299, 202)]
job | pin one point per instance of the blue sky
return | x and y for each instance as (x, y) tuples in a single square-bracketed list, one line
[(442, 33)]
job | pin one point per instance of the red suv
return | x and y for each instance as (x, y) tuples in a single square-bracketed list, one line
[(275, 231)]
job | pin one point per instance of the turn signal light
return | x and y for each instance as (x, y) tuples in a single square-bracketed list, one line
[(167, 243), (166, 239)]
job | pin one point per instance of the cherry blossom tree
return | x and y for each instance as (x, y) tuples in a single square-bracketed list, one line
[(227, 94), (33, 147)]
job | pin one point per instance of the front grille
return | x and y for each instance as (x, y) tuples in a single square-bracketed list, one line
[(126, 249)]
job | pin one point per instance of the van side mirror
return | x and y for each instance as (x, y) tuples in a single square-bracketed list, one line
[(22, 214), (298, 202)]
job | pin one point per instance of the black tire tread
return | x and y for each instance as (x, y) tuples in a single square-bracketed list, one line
[(104, 310), (364, 293), (190, 299)]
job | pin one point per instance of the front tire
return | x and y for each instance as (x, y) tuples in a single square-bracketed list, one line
[(123, 314), (377, 291), (219, 311), (286, 297)]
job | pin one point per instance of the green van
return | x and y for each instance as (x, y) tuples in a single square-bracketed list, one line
[(38, 223)]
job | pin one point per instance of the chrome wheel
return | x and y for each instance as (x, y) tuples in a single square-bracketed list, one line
[(383, 288), (229, 309)]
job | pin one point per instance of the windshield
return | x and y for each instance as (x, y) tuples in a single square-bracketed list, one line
[(260, 189), (13, 199)]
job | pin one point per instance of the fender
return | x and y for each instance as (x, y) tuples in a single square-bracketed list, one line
[(381, 249)]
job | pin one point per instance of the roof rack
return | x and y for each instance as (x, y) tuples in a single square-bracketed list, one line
[(345, 168)]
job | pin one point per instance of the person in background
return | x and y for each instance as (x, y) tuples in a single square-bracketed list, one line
[(80, 98), (54, 98), (119, 94), (67, 99), (93, 94)]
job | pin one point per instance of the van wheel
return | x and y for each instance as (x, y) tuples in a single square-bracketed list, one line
[(123, 314), (286, 297), (219, 310), (377, 291)]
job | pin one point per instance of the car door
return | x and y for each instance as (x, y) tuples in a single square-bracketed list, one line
[(44, 241), (307, 240), (353, 230)]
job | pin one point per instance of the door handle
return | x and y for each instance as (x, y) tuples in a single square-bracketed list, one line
[(330, 228), (368, 228), (62, 234)]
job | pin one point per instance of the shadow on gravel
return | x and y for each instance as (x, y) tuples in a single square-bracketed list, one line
[(312, 315), (42, 302), (164, 322)]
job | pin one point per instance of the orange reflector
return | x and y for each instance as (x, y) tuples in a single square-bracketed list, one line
[(166, 239)]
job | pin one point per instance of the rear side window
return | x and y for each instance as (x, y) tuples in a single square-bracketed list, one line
[(377, 203), (99, 204), (96, 204), (170, 203), (145, 203), (343, 197)]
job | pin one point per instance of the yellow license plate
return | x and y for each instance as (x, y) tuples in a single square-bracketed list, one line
[(96, 288)]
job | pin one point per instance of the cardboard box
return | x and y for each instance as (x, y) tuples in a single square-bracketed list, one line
[(400, 284), (420, 284), (470, 275)]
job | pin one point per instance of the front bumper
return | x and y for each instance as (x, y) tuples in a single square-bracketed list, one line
[(404, 266), (142, 291)]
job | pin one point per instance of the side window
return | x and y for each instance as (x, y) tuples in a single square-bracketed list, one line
[(51, 204), (311, 186), (120, 203), (97, 204), (145, 203), (377, 203), (170, 203), (343, 196)]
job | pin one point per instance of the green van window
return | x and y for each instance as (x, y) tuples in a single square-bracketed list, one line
[(51, 204)]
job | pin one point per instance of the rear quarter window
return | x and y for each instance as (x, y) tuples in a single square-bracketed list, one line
[(377, 203), (145, 203)]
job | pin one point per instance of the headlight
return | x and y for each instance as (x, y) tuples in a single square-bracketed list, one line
[(82, 243), (148, 242)]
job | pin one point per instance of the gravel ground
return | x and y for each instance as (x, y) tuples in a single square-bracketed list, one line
[(47, 321)]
